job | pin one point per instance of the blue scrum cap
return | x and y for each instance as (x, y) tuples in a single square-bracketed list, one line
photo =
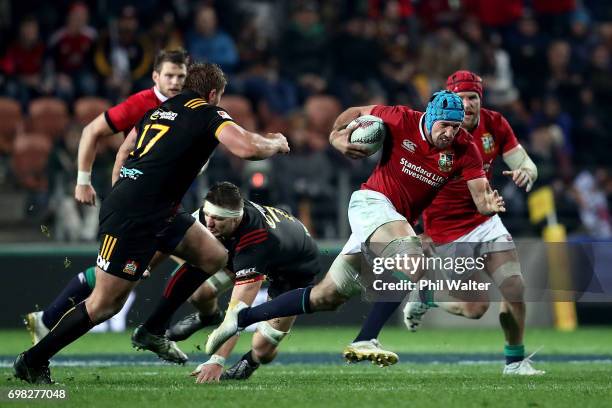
[(444, 105)]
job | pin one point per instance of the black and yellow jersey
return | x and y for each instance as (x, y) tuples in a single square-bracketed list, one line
[(269, 242), (173, 142)]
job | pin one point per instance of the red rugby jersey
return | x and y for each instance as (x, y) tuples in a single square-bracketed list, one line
[(453, 213), (124, 116), (411, 170)]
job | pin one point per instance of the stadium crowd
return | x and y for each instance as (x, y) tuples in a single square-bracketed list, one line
[(293, 67)]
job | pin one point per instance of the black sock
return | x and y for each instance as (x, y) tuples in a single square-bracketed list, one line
[(76, 290), (184, 281), (248, 357), (378, 316), (72, 325), (292, 303)]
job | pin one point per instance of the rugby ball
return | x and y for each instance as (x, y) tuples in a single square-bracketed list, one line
[(368, 131)]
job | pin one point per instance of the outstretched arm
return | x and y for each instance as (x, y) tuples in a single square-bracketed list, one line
[(339, 136), (522, 169), (488, 201), (211, 370), (251, 145), (92, 133)]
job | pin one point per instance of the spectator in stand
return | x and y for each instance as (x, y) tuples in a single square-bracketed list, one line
[(71, 49), (206, 42), (304, 51), (302, 178), (600, 75), (123, 57), (591, 198), (270, 92), (554, 15), (23, 64), (442, 54), (356, 58), (527, 55), (562, 78), (164, 33), (553, 114), (497, 15)]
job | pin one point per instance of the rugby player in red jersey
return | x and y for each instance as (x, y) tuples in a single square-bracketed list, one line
[(422, 151), (452, 219), (169, 71)]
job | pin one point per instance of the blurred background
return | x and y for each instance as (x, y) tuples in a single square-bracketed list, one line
[(292, 68)]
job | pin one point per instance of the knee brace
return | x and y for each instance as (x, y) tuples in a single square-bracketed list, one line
[(274, 336), (219, 282), (409, 246), (506, 271)]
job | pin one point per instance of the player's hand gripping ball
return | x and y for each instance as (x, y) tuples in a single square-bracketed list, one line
[(369, 132)]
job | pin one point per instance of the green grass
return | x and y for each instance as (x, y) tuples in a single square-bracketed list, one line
[(362, 385), (294, 386), (333, 339)]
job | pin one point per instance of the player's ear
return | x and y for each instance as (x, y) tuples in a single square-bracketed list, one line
[(155, 76), (212, 95)]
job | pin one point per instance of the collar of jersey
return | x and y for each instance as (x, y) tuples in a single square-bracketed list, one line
[(160, 95)]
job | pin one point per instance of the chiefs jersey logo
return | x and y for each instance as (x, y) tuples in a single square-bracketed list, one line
[(445, 162), (488, 143)]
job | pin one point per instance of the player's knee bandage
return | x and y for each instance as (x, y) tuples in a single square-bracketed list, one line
[(274, 336), (409, 246), (219, 282), (506, 271), (90, 276), (345, 276)]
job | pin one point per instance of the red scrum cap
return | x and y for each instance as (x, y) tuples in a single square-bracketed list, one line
[(464, 81)]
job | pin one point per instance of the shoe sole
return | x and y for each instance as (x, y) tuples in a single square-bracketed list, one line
[(30, 323), (380, 359)]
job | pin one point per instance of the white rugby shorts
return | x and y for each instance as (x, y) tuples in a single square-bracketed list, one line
[(367, 211)]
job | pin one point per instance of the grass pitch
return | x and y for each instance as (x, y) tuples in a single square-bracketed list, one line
[(462, 369)]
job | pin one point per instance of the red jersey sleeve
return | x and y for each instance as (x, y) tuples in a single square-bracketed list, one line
[(507, 136), (472, 163), (394, 116), (124, 116)]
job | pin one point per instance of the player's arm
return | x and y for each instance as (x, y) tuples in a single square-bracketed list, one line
[(488, 201), (92, 133), (250, 145), (126, 147), (522, 169), (211, 370), (339, 136)]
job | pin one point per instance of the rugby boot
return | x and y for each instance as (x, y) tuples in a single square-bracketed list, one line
[(34, 323), (32, 375), (159, 344), (523, 367), (227, 329), (242, 370), (370, 350), (414, 310), (190, 324)]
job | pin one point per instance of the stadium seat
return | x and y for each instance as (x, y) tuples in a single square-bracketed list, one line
[(10, 112), (48, 116), (88, 108), (321, 112), (240, 110), (29, 160)]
